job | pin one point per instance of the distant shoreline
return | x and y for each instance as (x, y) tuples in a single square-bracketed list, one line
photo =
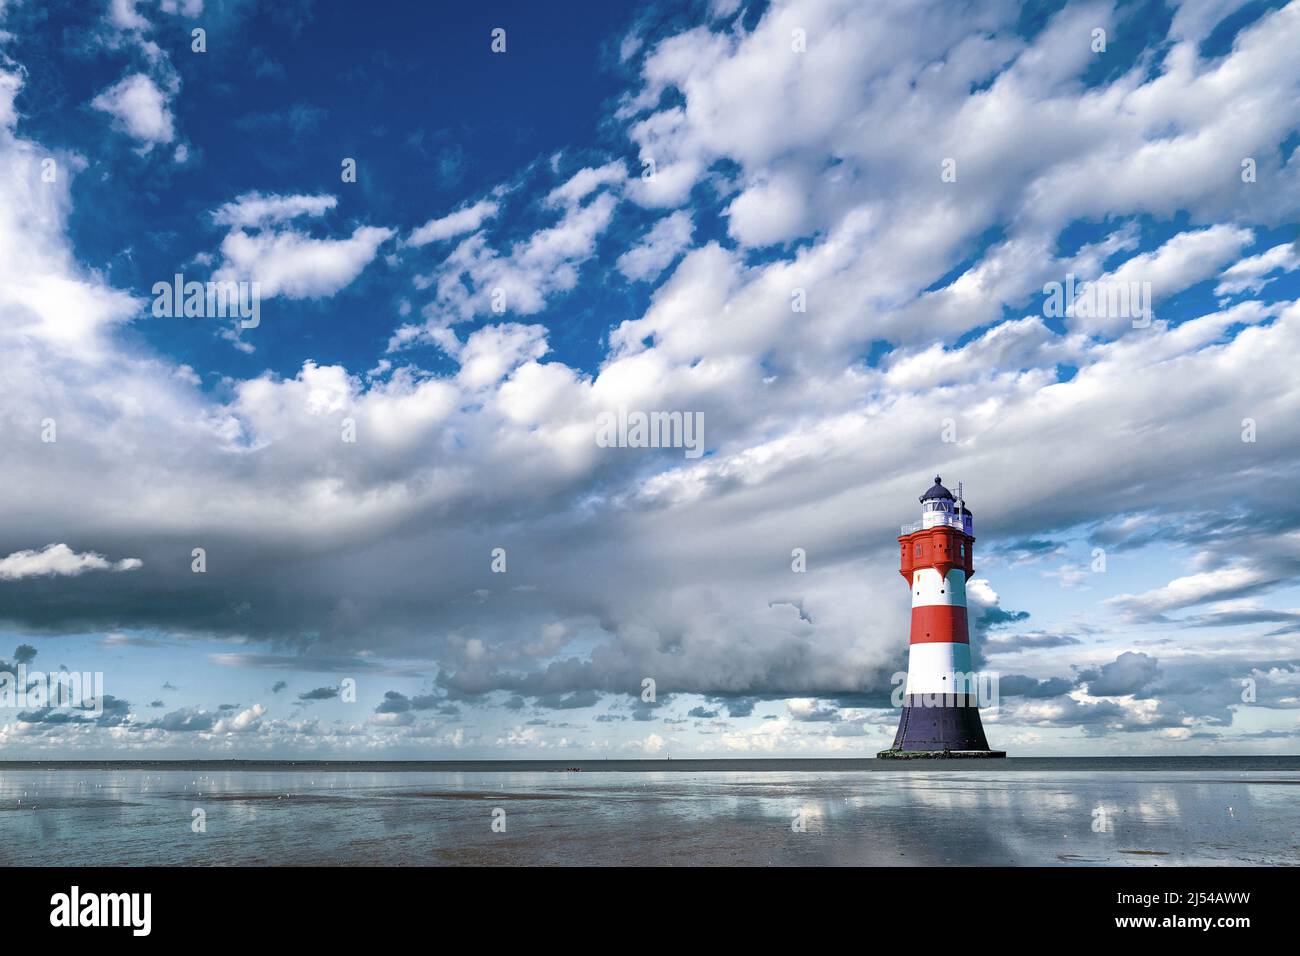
[(682, 765)]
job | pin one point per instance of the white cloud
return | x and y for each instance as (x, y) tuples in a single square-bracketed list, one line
[(1254, 272), (652, 744), (494, 351), (124, 15), (474, 278), (298, 266), (457, 223), (586, 181), (58, 560), (1183, 261), (139, 108), (661, 244), (246, 721), (184, 8), (286, 261), (10, 84), (772, 210), (1193, 589), (255, 210)]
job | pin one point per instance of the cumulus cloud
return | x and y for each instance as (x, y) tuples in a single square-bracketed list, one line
[(58, 560), (286, 261), (656, 250), (244, 722), (477, 279), (124, 15), (296, 265), (140, 109), (1130, 673)]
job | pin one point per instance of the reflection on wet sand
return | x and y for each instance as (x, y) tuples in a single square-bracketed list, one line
[(771, 817)]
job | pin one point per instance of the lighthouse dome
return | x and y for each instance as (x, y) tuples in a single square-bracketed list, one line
[(937, 493)]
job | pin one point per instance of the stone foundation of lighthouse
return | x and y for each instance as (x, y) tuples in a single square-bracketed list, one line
[(941, 715)]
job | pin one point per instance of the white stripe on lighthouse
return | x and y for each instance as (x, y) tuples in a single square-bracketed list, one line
[(929, 589), (931, 668)]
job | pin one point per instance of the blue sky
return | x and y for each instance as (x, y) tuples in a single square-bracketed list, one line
[(620, 209)]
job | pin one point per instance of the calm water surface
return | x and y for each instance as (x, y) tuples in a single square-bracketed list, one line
[(986, 814)]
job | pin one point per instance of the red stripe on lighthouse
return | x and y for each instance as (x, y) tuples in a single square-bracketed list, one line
[(939, 624)]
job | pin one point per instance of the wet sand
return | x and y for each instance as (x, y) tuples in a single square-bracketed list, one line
[(1150, 812)]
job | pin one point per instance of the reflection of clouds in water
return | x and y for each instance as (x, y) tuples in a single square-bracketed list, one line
[(1158, 805), (1050, 818), (942, 818), (685, 818)]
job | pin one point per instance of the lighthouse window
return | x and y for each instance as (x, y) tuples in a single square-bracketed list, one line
[(963, 549), (918, 550)]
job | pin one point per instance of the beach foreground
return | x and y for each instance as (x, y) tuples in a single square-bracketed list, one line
[(1235, 812)]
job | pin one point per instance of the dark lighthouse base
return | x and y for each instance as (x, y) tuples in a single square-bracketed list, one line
[(939, 728), (938, 754)]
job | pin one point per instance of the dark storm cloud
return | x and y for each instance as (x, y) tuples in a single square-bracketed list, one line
[(319, 693), (115, 713), (1264, 735), (185, 720), (278, 686), (1197, 528), (574, 701), (1231, 618), (1036, 641), (1026, 550), (819, 715), (740, 706), (316, 663), (393, 703), (702, 713), (1130, 673), (1187, 692), (872, 700), (24, 654), (994, 617), (133, 640), (737, 649), (1018, 685), (644, 710)]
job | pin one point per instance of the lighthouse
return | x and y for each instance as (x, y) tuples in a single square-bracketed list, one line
[(941, 716)]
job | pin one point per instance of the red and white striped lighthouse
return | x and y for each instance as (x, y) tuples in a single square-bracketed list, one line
[(941, 715)]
